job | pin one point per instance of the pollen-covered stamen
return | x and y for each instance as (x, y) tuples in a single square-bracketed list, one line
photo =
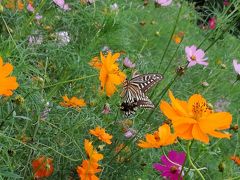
[(193, 58), (199, 108), (173, 169)]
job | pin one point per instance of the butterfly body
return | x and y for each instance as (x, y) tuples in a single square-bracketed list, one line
[(134, 92)]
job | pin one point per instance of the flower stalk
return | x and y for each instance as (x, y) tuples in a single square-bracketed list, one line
[(190, 160)]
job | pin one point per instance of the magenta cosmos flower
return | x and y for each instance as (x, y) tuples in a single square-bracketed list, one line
[(195, 56), (236, 66), (170, 166), (163, 2), (212, 23)]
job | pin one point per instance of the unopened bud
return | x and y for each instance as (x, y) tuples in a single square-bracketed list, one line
[(180, 70), (1, 8), (221, 167), (19, 100), (205, 84), (223, 66)]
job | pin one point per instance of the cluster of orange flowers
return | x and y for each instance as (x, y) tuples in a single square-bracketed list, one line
[(90, 167), (110, 75), (191, 119), (7, 83), (17, 4)]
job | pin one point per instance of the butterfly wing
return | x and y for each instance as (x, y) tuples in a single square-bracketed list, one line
[(145, 102), (146, 81)]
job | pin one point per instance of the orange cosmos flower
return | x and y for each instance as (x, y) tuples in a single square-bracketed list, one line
[(110, 75), (193, 119), (88, 170), (162, 137), (236, 159), (177, 38), (101, 135), (42, 167), (7, 83), (73, 102), (96, 63), (92, 154)]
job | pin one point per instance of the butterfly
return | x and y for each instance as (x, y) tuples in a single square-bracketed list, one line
[(134, 90)]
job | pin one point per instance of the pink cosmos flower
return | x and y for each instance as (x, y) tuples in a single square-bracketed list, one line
[(30, 8), (236, 66), (130, 133), (128, 63), (171, 166), (212, 23), (163, 2), (62, 4), (195, 56)]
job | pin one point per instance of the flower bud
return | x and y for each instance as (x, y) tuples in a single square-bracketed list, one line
[(1, 8), (221, 167), (180, 70), (19, 100)]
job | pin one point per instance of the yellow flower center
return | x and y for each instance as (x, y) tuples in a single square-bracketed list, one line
[(198, 109), (193, 58), (173, 169)]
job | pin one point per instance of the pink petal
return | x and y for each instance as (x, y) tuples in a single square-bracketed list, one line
[(30, 8), (160, 167), (236, 66), (192, 63), (202, 63), (199, 54)]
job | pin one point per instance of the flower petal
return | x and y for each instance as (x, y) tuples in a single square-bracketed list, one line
[(199, 134)]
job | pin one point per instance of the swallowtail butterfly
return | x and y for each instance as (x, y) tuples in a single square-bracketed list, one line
[(134, 90)]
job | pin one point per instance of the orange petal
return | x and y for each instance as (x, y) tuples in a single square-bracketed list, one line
[(219, 121), (176, 105), (168, 110), (183, 120), (115, 56), (110, 88), (219, 134), (5, 70), (199, 134), (184, 131)]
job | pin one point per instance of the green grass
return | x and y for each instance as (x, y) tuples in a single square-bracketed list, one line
[(92, 27)]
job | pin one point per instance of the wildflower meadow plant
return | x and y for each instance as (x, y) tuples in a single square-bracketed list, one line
[(94, 89)]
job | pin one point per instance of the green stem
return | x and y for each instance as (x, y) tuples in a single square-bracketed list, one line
[(190, 161)]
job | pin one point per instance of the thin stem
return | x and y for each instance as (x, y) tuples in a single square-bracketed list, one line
[(169, 41), (190, 161)]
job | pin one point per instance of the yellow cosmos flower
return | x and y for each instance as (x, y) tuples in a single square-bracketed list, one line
[(193, 119)]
